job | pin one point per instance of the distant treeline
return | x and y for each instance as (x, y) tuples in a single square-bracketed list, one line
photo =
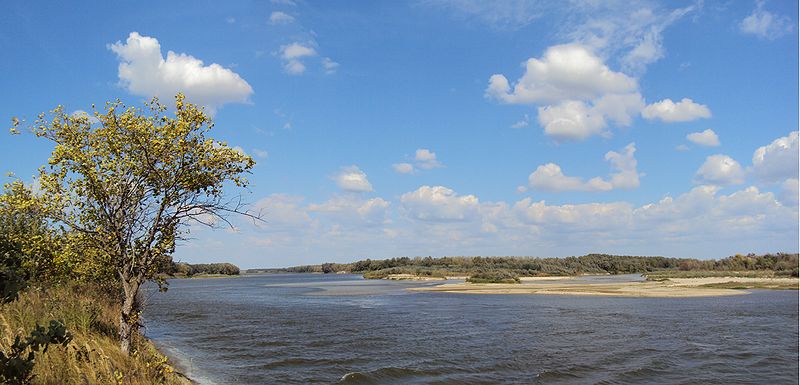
[(781, 263), (184, 269)]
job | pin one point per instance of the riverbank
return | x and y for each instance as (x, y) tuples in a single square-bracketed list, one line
[(668, 288), (93, 356)]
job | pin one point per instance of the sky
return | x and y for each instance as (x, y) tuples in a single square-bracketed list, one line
[(448, 127)]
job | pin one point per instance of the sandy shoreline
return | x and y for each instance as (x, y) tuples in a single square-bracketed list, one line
[(673, 288)]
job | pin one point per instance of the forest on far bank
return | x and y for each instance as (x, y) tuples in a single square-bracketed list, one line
[(779, 264)]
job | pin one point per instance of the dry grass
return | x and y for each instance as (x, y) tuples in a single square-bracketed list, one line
[(93, 356)]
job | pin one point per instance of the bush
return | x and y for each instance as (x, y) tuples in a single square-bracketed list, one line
[(496, 276)]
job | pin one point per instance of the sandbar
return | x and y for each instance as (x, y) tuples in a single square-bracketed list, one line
[(672, 288)]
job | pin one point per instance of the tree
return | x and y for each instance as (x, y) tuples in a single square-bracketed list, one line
[(128, 180)]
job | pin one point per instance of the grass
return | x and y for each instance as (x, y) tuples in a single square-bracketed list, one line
[(93, 356)]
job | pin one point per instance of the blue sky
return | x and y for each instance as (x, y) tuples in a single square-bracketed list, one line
[(459, 127)]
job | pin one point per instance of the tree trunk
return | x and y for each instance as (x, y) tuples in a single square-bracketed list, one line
[(129, 316)]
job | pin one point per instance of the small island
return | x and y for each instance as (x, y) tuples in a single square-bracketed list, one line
[(663, 276)]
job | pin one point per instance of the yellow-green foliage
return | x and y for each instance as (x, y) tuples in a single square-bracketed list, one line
[(94, 355)]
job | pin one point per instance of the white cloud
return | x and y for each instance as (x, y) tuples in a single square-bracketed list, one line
[(777, 160), (625, 175), (403, 168), (426, 159), (439, 204), (292, 55), (549, 177), (681, 147), (352, 179), (283, 212), (438, 221), (707, 138), (565, 72), (580, 217), (522, 123), (81, 113), (278, 17), (766, 25), (789, 193), (631, 30), (330, 66), (576, 91), (668, 111), (353, 211), (423, 159), (145, 72), (720, 170), (260, 153), (571, 120)]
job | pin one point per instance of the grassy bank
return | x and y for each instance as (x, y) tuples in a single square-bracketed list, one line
[(93, 356)]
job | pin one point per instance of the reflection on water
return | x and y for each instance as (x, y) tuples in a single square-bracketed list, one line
[(306, 328)]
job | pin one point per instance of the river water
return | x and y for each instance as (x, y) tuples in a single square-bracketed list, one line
[(312, 328)]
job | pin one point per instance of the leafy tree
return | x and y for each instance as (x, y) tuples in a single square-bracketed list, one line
[(127, 181)]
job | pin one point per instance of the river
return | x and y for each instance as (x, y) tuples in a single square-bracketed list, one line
[(313, 328)]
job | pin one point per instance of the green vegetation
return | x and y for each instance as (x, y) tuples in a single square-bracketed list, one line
[(497, 276), (113, 201), (126, 187), (754, 285), (183, 269), (656, 268), (92, 356)]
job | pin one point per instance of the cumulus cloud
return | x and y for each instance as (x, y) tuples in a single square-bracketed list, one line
[(291, 54), (580, 217), (426, 159), (777, 160), (260, 153), (439, 204), (576, 91), (352, 179), (278, 17), (766, 25), (668, 111), (565, 72), (549, 177), (438, 221), (720, 170), (403, 168), (707, 138), (571, 120), (144, 71), (789, 193)]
